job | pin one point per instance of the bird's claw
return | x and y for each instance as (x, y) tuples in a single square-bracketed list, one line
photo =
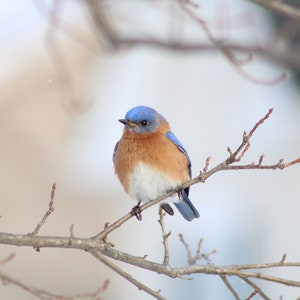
[(137, 212)]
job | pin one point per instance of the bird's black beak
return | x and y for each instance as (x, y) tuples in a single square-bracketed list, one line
[(127, 123), (124, 121)]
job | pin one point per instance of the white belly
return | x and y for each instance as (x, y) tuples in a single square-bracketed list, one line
[(146, 183)]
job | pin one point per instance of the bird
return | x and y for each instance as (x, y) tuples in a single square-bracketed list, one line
[(150, 161)]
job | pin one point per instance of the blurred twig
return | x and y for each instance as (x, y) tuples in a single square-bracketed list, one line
[(279, 7), (42, 294)]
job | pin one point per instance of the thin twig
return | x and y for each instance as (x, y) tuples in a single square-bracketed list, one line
[(257, 289), (191, 259), (165, 237), (7, 259), (82, 37), (199, 248), (280, 7), (246, 137), (47, 213), (206, 164), (225, 51), (252, 295), (42, 294), (230, 287), (102, 24), (126, 275)]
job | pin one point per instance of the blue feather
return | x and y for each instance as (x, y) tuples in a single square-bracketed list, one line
[(186, 208), (172, 137)]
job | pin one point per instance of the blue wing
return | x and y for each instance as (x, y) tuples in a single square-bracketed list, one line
[(184, 205), (172, 137)]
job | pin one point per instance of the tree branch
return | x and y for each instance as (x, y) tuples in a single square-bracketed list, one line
[(99, 255), (165, 237), (188, 7), (226, 165), (48, 212), (97, 249), (102, 250), (42, 294), (230, 287), (279, 7)]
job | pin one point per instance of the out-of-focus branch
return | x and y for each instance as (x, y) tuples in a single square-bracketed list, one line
[(279, 7), (110, 38), (271, 50), (102, 24), (191, 9), (45, 295)]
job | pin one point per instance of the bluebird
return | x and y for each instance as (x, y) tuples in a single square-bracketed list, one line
[(150, 161)]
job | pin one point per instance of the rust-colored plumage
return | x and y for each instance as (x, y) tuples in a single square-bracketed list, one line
[(153, 149)]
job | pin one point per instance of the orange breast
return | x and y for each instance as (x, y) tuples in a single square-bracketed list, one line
[(154, 149)]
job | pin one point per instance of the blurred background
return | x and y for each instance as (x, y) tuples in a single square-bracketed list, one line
[(62, 91)]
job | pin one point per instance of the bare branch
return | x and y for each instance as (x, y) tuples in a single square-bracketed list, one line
[(257, 290), (191, 260), (126, 275), (280, 7), (102, 24), (165, 237), (231, 57), (98, 250), (232, 270), (203, 176), (227, 164), (47, 213), (7, 259), (42, 294), (230, 287), (246, 137), (55, 50), (101, 249), (206, 164)]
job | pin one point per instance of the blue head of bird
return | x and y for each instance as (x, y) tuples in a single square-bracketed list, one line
[(142, 119)]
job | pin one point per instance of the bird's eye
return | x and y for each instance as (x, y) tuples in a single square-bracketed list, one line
[(144, 122)]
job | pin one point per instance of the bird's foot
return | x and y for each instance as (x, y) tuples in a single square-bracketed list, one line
[(137, 212)]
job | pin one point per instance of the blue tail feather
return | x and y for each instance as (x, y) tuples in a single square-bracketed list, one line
[(186, 208)]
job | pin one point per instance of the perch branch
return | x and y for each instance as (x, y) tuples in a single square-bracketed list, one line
[(204, 175)]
